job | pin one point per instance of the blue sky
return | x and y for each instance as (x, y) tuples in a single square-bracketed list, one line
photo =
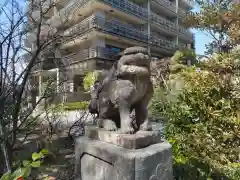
[(201, 38)]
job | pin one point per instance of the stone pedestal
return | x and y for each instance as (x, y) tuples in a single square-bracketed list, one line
[(129, 141), (103, 155)]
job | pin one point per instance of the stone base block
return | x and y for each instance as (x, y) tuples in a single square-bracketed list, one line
[(129, 141), (98, 160)]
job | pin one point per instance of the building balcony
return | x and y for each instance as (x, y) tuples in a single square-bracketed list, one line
[(47, 4), (166, 6), (84, 54), (170, 27), (182, 13), (187, 34), (189, 4), (170, 8), (128, 7), (50, 2), (132, 9), (80, 8), (164, 25), (72, 7), (117, 29)]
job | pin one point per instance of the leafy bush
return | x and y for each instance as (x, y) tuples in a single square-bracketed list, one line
[(48, 87), (204, 120), (73, 106), (183, 55), (89, 79), (26, 167)]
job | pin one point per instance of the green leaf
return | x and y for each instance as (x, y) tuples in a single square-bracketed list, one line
[(27, 171), (44, 152), (26, 163), (6, 176), (36, 164), (36, 156), (18, 173)]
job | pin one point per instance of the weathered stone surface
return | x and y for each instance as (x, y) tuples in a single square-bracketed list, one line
[(97, 160), (129, 141), (126, 88)]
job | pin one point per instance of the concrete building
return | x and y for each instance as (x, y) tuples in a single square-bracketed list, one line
[(97, 30)]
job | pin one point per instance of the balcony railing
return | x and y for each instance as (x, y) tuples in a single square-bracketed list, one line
[(166, 4), (181, 12), (97, 52), (80, 27), (129, 7), (190, 3), (72, 6), (140, 12), (163, 22), (185, 32), (116, 28)]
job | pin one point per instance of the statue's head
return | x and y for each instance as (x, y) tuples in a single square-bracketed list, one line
[(135, 60)]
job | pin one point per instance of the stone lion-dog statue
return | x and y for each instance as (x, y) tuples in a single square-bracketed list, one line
[(126, 87)]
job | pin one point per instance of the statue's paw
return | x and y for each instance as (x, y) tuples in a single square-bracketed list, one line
[(126, 130), (146, 126), (109, 125)]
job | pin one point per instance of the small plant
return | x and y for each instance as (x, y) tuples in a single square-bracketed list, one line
[(26, 167), (183, 56), (48, 87), (70, 106), (89, 79)]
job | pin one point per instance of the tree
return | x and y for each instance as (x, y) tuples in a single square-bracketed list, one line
[(160, 71), (220, 20), (203, 119), (16, 25)]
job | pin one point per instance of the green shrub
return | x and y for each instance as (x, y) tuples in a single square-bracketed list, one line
[(204, 121), (89, 79), (75, 106), (48, 87), (23, 170), (183, 55)]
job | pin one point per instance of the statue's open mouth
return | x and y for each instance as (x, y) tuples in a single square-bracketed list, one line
[(134, 69), (135, 64)]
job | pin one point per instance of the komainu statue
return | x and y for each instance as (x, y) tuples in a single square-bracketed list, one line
[(126, 87)]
